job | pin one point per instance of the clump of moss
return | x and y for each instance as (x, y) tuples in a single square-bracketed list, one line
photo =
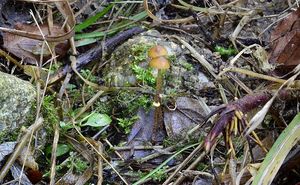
[(129, 102), (126, 123), (143, 75), (124, 106), (139, 52), (49, 111), (8, 136), (226, 52)]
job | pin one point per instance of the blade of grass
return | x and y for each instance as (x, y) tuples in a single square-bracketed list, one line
[(84, 42), (115, 29), (91, 20), (274, 159), (142, 180)]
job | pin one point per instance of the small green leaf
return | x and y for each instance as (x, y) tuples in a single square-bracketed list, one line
[(62, 149), (65, 126), (98, 120)]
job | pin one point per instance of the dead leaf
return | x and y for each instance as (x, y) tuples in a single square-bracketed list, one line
[(27, 158), (180, 121), (30, 49), (32, 71), (6, 149), (258, 152), (19, 175), (285, 41)]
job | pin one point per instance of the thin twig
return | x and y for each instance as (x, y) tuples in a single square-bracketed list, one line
[(19, 147), (53, 154), (192, 166), (100, 164), (184, 163), (95, 149)]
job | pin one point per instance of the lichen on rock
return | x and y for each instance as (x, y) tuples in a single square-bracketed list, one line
[(16, 99)]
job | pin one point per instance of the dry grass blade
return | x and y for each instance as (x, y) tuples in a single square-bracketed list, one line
[(175, 21), (100, 164), (244, 21), (197, 56), (212, 9), (184, 163), (10, 59), (19, 147), (260, 115), (73, 66), (99, 154), (191, 167), (271, 164), (53, 154)]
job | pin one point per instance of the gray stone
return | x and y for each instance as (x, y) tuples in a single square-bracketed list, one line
[(16, 99), (181, 77)]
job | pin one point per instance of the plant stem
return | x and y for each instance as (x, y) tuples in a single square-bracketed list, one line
[(158, 114)]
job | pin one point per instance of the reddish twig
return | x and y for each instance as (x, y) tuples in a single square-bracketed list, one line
[(237, 109)]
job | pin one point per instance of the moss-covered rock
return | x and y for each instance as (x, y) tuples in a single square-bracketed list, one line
[(16, 99), (129, 66)]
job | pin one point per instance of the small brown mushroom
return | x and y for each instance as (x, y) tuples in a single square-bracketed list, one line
[(160, 63), (157, 51)]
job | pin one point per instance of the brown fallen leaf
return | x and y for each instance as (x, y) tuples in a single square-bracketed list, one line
[(285, 41), (30, 49)]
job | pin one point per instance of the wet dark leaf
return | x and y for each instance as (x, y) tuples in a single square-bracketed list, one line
[(17, 172), (34, 176), (188, 113), (6, 149), (285, 41), (29, 49)]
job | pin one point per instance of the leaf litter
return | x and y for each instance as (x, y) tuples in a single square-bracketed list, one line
[(249, 81)]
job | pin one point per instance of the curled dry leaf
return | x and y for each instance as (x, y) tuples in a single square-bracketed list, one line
[(30, 49), (285, 41), (27, 158)]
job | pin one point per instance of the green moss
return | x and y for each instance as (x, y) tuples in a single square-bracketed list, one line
[(140, 52), (49, 111), (226, 52), (104, 106), (129, 102), (12, 135), (126, 123), (144, 76), (187, 65), (54, 68), (8, 136), (161, 174), (76, 163), (172, 58), (87, 74), (125, 105)]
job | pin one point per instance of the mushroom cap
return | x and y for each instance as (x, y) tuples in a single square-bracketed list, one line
[(160, 63), (157, 51)]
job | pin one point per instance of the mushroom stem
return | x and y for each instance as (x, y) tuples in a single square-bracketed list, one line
[(159, 81), (158, 112)]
